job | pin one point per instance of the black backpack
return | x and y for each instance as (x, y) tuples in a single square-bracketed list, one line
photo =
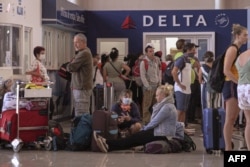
[(168, 77), (168, 73), (216, 77)]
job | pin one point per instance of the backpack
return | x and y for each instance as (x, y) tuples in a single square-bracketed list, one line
[(216, 77), (187, 143), (136, 70), (163, 147), (168, 77), (59, 138), (80, 134)]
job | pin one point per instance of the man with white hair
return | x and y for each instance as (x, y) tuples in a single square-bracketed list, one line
[(81, 68)]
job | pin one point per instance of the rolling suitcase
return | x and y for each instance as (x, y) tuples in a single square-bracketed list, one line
[(213, 123), (98, 97), (32, 125), (104, 122), (101, 92)]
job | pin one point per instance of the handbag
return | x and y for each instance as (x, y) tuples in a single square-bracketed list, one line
[(123, 77), (62, 72)]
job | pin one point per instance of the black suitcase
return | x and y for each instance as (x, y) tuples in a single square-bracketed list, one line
[(104, 124), (98, 97), (103, 96)]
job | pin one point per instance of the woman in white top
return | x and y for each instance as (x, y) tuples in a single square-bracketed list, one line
[(243, 90)]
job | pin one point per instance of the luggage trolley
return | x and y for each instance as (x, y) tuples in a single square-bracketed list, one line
[(46, 93)]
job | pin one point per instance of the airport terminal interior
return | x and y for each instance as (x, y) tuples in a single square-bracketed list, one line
[(25, 24)]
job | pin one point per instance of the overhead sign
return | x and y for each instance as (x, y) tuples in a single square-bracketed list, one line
[(63, 14)]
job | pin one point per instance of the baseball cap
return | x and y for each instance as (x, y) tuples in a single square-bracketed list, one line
[(189, 46), (150, 45)]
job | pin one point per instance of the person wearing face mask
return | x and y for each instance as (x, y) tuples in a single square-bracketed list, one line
[(163, 125), (128, 113), (37, 70)]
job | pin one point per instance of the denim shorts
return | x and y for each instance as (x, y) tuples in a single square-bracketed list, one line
[(229, 90), (182, 101)]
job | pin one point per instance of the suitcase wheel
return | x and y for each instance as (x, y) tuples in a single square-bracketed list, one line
[(48, 143), (48, 146), (17, 145), (17, 148)]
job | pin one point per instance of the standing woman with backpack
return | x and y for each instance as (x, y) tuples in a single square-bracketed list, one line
[(240, 37)]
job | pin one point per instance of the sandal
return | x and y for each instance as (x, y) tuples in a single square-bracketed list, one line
[(101, 142)]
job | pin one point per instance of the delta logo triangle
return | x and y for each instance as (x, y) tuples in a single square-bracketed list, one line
[(128, 23)]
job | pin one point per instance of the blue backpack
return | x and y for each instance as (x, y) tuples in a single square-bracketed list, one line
[(80, 135)]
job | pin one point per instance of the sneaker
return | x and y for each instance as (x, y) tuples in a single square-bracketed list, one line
[(101, 142)]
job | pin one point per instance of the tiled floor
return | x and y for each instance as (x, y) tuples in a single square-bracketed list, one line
[(37, 158)]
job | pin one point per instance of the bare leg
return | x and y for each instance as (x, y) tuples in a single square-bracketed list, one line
[(181, 116), (247, 128), (232, 111)]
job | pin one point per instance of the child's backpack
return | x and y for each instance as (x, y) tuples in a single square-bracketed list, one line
[(136, 70), (216, 77), (80, 135)]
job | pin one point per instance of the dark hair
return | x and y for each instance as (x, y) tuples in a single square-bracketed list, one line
[(180, 43), (104, 58), (37, 50), (189, 46), (113, 54), (146, 49), (169, 57), (208, 57)]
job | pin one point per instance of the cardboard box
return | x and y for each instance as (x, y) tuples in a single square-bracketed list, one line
[(45, 92)]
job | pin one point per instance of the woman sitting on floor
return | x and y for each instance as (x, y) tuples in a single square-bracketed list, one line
[(162, 125), (128, 112)]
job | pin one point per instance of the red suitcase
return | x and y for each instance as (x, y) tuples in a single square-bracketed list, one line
[(32, 125)]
